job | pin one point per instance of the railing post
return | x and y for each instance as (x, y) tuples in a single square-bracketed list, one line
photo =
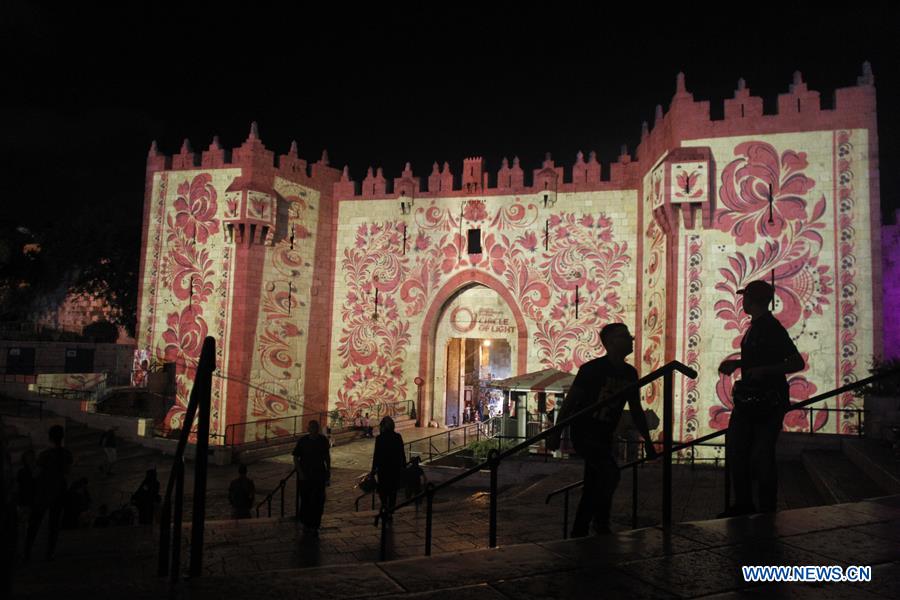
[(810, 420), (859, 431), (165, 532), (383, 546), (667, 449), (429, 513), (175, 569), (204, 380), (634, 493), (727, 481), (493, 463)]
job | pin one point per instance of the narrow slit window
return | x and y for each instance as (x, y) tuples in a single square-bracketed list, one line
[(474, 241)]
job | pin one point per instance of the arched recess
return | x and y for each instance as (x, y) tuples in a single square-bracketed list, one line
[(456, 284)]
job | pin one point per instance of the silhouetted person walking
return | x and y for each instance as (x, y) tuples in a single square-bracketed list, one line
[(761, 398), (77, 500), (241, 493), (109, 443), (388, 462), (9, 523), (50, 488), (312, 458), (146, 497), (592, 433), (25, 481)]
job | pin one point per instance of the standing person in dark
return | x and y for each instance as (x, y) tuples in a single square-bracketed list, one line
[(388, 462), (592, 433), (312, 458), (109, 444), (241, 493), (761, 398), (146, 497), (50, 490)]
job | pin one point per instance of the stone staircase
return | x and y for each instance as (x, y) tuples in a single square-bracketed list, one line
[(693, 559), (858, 469)]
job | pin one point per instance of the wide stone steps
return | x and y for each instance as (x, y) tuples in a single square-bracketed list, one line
[(692, 559), (837, 479)]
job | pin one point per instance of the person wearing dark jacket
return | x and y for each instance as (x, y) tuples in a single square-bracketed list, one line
[(388, 462), (761, 398), (602, 379), (312, 459), (50, 489), (146, 497), (241, 493)]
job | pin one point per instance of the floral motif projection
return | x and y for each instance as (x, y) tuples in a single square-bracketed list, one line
[(654, 292), (787, 244), (188, 270), (847, 314), (283, 312), (543, 267)]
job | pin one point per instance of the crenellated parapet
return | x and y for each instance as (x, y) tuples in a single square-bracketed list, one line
[(799, 109), (475, 179), (255, 160)]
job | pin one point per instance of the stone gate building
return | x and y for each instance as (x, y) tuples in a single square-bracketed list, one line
[(329, 294)]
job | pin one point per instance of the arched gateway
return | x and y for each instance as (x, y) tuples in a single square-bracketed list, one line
[(514, 333)]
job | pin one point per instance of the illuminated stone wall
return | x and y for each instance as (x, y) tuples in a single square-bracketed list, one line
[(325, 293)]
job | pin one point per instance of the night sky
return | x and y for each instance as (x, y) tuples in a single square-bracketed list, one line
[(86, 90)]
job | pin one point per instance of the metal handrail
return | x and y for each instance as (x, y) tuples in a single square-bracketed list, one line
[(280, 488), (170, 524), (23, 402), (319, 416), (495, 458), (492, 425), (702, 441)]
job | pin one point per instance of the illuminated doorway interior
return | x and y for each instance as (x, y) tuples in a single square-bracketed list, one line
[(471, 364)]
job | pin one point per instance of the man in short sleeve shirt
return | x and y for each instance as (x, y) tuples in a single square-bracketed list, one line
[(593, 433), (767, 355)]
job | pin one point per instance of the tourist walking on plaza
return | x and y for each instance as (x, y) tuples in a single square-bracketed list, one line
[(146, 497), (108, 442), (760, 398), (592, 433), (49, 492), (241, 493), (388, 462), (312, 459)]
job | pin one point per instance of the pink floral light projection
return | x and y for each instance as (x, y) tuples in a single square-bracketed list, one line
[(787, 244), (189, 271), (583, 258)]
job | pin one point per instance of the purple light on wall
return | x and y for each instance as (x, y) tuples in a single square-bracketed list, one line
[(890, 256)]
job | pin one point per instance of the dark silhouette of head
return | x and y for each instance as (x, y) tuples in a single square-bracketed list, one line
[(56, 434), (242, 469), (757, 295), (617, 340), (313, 427), (386, 425)]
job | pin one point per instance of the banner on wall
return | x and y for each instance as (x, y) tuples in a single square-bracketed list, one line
[(140, 367)]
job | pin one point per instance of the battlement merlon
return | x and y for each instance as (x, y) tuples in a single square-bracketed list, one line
[(252, 157), (799, 109)]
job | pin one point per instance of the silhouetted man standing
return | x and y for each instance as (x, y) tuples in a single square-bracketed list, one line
[(50, 489), (241, 493), (761, 398), (312, 459), (592, 433)]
